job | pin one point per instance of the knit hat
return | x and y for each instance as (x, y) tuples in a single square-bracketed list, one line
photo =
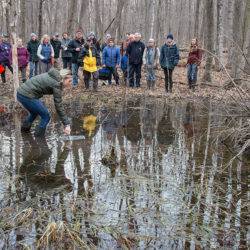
[(111, 40), (170, 36), (5, 35), (92, 33), (33, 34), (89, 38), (79, 30), (108, 35)]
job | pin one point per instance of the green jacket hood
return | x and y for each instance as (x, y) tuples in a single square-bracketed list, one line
[(54, 73)]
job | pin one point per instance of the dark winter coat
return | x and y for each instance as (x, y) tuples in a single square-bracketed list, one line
[(56, 44), (72, 48), (46, 84), (32, 47), (96, 44), (104, 45), (169, 57), (4, 53), (135, 52), (22, 56), (195, 55), (85, 52), (65, 52), (111, 56)]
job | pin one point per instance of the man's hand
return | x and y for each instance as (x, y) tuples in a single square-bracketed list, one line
[(104, 65), (77, 49), (67, 130)]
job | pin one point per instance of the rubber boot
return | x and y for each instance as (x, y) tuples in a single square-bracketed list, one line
[(3, 79), (190, 84), (193, 85), (153, 85), (171, 87), (166, 86), (110, 82), (117, 84), (26, 127), (39, 131), (148, 85)]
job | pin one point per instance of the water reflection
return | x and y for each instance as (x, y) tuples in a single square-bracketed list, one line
[(148, 175)]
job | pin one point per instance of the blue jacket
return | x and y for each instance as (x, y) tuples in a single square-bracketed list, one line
[(135, 52), (46, 53), (124, 63), (111, 56), (169, 57)]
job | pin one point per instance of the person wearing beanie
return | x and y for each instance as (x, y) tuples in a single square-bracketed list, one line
[(169, 58), (5, 49), (151, 60), (193, 62), (74, 47), (111, 60), (23, 58), (32, 48), (89, 59), (66, 54), (94, 41)]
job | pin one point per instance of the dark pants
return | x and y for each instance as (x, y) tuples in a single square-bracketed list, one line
[(125, 76), (35, 107), (113, 71), (3, 74), (168, 78), (33, 65), (135, 69), (67, 62), (87, 76)]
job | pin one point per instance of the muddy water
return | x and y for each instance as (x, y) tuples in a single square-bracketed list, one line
[(149, 174)]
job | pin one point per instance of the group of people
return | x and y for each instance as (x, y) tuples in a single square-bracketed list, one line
[(90, 55), (77, 53)]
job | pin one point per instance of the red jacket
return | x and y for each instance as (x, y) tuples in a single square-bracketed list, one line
[(195, 56)]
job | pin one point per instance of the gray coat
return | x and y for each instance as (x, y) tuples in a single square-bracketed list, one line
[(65, 52)]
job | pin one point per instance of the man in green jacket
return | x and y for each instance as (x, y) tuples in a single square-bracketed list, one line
[(29, 93)]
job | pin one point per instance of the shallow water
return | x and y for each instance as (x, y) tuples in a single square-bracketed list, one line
[(149, 174)]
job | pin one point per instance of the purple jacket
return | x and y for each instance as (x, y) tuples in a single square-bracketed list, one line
[(22, 55), (4, 53)]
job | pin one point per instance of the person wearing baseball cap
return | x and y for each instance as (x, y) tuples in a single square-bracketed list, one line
[(74, 47), (89, 58), (56, 44), (5, 48)]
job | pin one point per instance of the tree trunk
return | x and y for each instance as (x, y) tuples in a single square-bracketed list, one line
[(219, 45), (23, 19), (230, 36), (247, 64), (197, 19), (72, 14), (13, 24), (40, 18), (153, 20), (210, 40)]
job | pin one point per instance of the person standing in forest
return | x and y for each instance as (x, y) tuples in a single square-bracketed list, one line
[(124, 67), (32, 48), (29, 93), (66, 54), (89, 58), (135, 52), (94, 41), (111, 60), (151, 61), (23, 58), (169, 58), (74, 47), (193, 62), (105, 43), (56, 44), (5, 49), (45, 53)]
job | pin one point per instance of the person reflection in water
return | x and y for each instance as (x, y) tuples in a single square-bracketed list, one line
[(35, 168)]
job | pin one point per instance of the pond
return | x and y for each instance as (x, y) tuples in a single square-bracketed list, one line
[(143, 174)]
